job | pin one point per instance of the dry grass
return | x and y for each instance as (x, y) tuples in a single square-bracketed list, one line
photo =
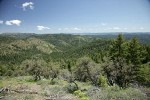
[(42, 90)]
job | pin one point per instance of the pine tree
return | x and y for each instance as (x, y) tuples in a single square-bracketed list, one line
[(134, 53), (118, 48), (135, 56), (119, 68)]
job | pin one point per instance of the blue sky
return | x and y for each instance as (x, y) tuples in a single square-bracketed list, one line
[(74, 16)]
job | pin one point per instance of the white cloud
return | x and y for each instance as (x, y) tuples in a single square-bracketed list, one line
[(28, 5), (13, 22), (77, 29), (141, 28), (116, 28), (103, 24), (41, 28), (1, 22)]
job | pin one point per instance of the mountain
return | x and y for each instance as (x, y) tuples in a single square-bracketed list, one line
[(14, 48), (17, 47)]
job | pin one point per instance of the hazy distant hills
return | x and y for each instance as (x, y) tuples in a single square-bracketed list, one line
[(16, 47), (143, 37)]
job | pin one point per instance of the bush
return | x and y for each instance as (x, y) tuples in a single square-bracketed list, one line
[(102, 81), (71, 88), (144, 74), (81, 95), (115, 93), (87, 70), (54, 81), (1, 84)]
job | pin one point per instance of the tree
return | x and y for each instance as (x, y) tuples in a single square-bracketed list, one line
[(34, 67), (137, 55), (87, 70), (144, 74), (118, 70), (54, 72), (118, 48), (134, 52)]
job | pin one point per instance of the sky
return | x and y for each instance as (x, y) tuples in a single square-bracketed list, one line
[(74, 16)]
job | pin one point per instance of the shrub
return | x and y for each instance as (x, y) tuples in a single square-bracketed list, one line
[(144, 74), (71, 88), (102, 81), (115, 93), (81, 95), (87, 70), (1, 84)]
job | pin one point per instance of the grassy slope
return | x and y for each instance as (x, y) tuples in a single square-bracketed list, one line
[(43, 89)]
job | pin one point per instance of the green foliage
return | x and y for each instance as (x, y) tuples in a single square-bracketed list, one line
[(118, 48), (2, 70), (87, 70), (1, 84), (127, 58), (144, 74), (62, 56), (34, 67), (71, 87), (119, 70), (134, 51), (81, 95), (116, 93), (102, 81)]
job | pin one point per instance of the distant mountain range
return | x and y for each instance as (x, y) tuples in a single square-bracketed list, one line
[(17, 47)]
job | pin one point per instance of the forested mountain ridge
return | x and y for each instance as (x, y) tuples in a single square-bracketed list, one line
[(16, 47), (71, 61), (143, 38)]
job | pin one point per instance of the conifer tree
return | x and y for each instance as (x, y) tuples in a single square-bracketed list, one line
[(134, 53), (119, 69), (118, 48)]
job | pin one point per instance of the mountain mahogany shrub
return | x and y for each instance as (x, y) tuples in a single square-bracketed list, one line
[(119, 73), (53, 71), (102, 81), (65, 75), (71, 87), (81, 95), (87, 70), (34, 67)]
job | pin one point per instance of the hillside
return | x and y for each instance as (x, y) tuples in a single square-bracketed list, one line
[(14, 48), (48, 66), (143, 37), (19, 47)]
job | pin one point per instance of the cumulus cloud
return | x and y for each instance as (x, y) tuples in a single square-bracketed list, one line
[(116, 28), (41, 28), (29, 5), (1, 22), (77, 29), (13, 22)]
